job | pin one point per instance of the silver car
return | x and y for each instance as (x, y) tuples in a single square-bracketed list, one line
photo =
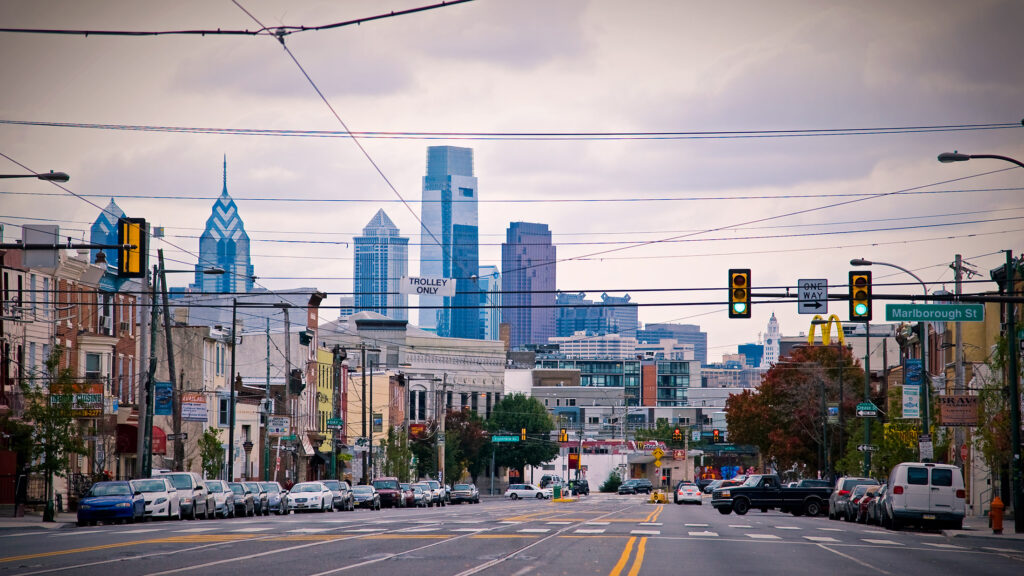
[(223, 498)]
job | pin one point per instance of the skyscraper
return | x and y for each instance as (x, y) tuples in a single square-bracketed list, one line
[(528, 283), (104, 231), (449, 241), (381, 260), (490, 301), (225, 245)]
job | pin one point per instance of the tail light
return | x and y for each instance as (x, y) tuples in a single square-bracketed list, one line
[(897, 490), (961, 494), (844, 492)]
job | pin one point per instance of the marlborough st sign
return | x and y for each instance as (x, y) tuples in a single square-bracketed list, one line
[(934, 312)]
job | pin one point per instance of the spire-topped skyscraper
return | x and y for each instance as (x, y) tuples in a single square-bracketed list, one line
[(225, 245), (381, 260), (104, 231)]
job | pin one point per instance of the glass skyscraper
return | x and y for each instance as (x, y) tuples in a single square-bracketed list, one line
[(490, 301), (225, 245), (381, 260), (104, 231), (528, 283), (449, 242)]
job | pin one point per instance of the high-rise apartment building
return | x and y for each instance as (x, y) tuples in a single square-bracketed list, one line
[(381, 260), (528, 283), (612, 315), (490, 301), (225, 245), (449, 242)]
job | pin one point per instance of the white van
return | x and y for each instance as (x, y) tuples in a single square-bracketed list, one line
[(925, 492)]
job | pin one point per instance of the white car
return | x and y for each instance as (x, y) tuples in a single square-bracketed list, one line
[(310, 496), (223, 498), (517, 491), (161, 498), (688, 493)]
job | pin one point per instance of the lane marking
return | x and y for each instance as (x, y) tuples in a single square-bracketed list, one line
[(788, 528), (833, 530), (364, 530), (469, 530), (705, 533), (193, 530), (655, 524), (75, 533), (559, 523), (764, 536), (947, 546), (254, 529), (139, 531), (590, 531), (879, 541), (736, 525), (535, 530), (702, 526), (853, 559), (308, 530), (827, 539), (638, 561), (598, 523), (623, 558)]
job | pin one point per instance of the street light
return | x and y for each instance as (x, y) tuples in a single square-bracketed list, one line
[(947, 157), (50, 176)]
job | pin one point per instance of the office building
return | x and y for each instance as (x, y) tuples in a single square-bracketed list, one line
[(225, 245), (489, 281), (104, 231), (528, 283), (381, 261), (612, 315), (682, 333)]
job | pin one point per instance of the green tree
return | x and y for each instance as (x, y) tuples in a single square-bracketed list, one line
[(211, 452), (397, 455), (423, 447), (55, 437), (612, 483), (510, 416), (465, 431), (992, 436)]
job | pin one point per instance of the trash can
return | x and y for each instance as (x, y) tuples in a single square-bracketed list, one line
[(557, 491)]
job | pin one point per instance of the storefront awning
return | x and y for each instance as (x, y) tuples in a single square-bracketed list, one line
[(128, 439)]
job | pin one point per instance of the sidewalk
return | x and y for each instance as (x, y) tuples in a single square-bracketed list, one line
[(35, 520), (977, 532)]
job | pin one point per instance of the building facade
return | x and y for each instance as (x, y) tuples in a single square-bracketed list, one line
[(381, 260), (449, 242), (490, 301), (771, 343), (528, 283), (225, 245), (682, 333), (612, 315), (607, 346)]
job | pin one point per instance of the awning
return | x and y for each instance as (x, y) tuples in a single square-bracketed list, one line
[(307, 446), (128, 439)]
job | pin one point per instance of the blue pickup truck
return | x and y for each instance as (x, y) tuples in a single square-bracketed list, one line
[(766, 492)]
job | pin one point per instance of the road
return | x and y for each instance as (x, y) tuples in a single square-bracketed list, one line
[(600, 534)]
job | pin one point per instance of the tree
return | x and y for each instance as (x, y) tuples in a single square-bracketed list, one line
[(612, 483), (510, 416), (211, 452), (422, 447), (397, 455), (55, 438), (465, 431)]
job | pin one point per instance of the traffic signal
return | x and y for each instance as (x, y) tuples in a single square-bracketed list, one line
[(739, 293), (132, 262), (677, 435), (860, 296), (522, 434), (563, 435), (714, 436)]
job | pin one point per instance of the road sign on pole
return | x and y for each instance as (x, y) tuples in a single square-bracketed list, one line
[(934, 312), (867, 410), (867, 448), (504, 438), (813, 296)]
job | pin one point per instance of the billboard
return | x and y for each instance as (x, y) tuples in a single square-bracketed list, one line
[(86, 402), (193, 406), (958, 410), (163, 403)]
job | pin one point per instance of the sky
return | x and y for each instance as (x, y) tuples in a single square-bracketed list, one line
[(788, 208)]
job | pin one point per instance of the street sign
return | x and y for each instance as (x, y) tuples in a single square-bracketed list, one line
[(867, 448), (335, 422), (867, 410), (695, 436), (934, 312), (657, 453), (183, 436), (278, 425), (427, 286), (813, 296), (291, 438), (504, 438)]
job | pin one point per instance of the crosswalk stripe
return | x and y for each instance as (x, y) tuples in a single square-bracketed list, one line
[(468, 529), (193, 530), (535, 530), (704, 533), (788, 528), (598, 523), (949, 546), (366, 530), (649, 532), (764, 536), (139, 531), (76, 532), (736, 525), (879, 541), (821, 539), (658, 524), (309, 530), (559, 523), (832, 529), (702, 526), (255, 529), (590, 531)]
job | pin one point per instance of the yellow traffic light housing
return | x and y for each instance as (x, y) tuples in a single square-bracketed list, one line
[(860, 296), (739, 293), (563, 435), (715, 436), (522, 434), (677, 435), (133, 260)]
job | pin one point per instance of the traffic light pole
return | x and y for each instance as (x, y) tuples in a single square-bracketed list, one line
[(867, 399)]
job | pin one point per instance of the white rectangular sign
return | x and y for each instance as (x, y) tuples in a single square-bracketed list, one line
[(813, 296), (426, 286), (278, 425), (911, 401)]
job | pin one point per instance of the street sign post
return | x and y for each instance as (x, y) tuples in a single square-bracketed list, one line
[(813, 296), (867, 410), (934, 312), (278, 425), (335, 422), (504, 438)]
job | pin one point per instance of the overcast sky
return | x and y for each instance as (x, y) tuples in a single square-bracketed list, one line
[(542, 66)]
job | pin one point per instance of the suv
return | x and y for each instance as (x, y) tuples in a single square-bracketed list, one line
[(839, 501), (196, 500), (579, 487), (925, 492), (390, 491), (636, 486)]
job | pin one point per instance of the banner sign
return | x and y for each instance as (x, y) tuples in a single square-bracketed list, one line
[(164, 399), (912, 378), (426, 286), (86, 403), (959, 410), (378, 422), (278, 425), (193, 406), (833, 412)]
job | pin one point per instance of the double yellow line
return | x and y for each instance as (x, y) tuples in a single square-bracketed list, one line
[(624, 558), (655, 513)]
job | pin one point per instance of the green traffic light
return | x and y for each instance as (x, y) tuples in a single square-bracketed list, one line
[(861, 309), (739, 307)]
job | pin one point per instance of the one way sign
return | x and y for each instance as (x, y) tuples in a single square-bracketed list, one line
[(813, 296)]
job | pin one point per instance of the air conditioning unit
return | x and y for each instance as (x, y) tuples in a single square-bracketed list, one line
[(105, 324)]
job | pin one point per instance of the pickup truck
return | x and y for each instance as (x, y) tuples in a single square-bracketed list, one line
[(765, 491)]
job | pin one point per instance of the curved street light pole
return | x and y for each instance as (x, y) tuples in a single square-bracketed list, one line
[(50, 176), (1013, 372)]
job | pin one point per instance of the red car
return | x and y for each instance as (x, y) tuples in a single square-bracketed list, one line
[(409, 494), (390, 491), (861, 505)]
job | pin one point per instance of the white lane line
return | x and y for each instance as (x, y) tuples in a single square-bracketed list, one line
[(825, 539), (736, 525), (1003, 550), (559, 523), (764, 536), (699, 526), (75, 533), (470, 530), (648, 532), (704, 533), (880, 541), (253, 529), (367, 530), (788, 528), (832, 529), (948, 546), (467, 521), (426, 521), (590, 531), (139, 531), (194, 530), (598, 523), (22, 534), (659, 524), (309, 530), (337, 521), (535, 530), (422, 529), (855, 560), (509, 522)]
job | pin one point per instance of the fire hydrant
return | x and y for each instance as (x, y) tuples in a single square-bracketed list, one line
[(995, 514)]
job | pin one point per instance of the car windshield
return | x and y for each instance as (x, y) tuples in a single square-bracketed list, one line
[(149, 485), (110, 490), (752, 481), (417, 488), (385, 484), (215, 487), (332, 484), (307, 488), (180, 480), (363, 490), (271, 487), (434, 484), (238, 489)]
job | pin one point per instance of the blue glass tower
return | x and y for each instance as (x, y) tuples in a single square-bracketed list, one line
[(528, 283), (490, 301), (449, 241), (104, 231), (381, 260), (225, 245)]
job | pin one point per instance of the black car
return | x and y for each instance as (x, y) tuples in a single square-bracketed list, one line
[(366, 496), (579, 487), (245, 504), (636, 486), (260, 498)]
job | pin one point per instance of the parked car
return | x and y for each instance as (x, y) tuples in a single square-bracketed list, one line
[(709, 488), (926, 493), (636, 486), (838, 502), (260, 498), (115, 501), (853, 502), (688, 492), (861, 504), (428, 492), (223, 498), (389, 491), (581, 487), (421, 495), (408, 494), (244, 499), (160, 496), (465, 493), (195, 499), (814, 483), (341, 496), (517, 491), (366, 496), (277, 497), (765, 492), (873, 513), (310, 496), (440, 497)]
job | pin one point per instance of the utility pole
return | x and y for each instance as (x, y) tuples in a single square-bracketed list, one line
[(824, 429), (231, 382), (179, 442), (147, 303), (867, 398), (1013, 383), (958, 360), (362, 365), (440, 436), (266, 415), (289, 409), (369, 442), (146, 418)]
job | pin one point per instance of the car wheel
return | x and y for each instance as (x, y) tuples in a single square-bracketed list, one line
[(740, 506), (812, 508), (514, 496), (540, 496)]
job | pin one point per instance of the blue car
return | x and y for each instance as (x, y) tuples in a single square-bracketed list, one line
[(111, 502)]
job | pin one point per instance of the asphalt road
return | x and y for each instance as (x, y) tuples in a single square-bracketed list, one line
[(600, 534)]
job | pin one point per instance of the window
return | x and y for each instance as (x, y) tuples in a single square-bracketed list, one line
[(570, 402), (942, 477), (918, 476), (223, 411), (92, 367), (466, 192)]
